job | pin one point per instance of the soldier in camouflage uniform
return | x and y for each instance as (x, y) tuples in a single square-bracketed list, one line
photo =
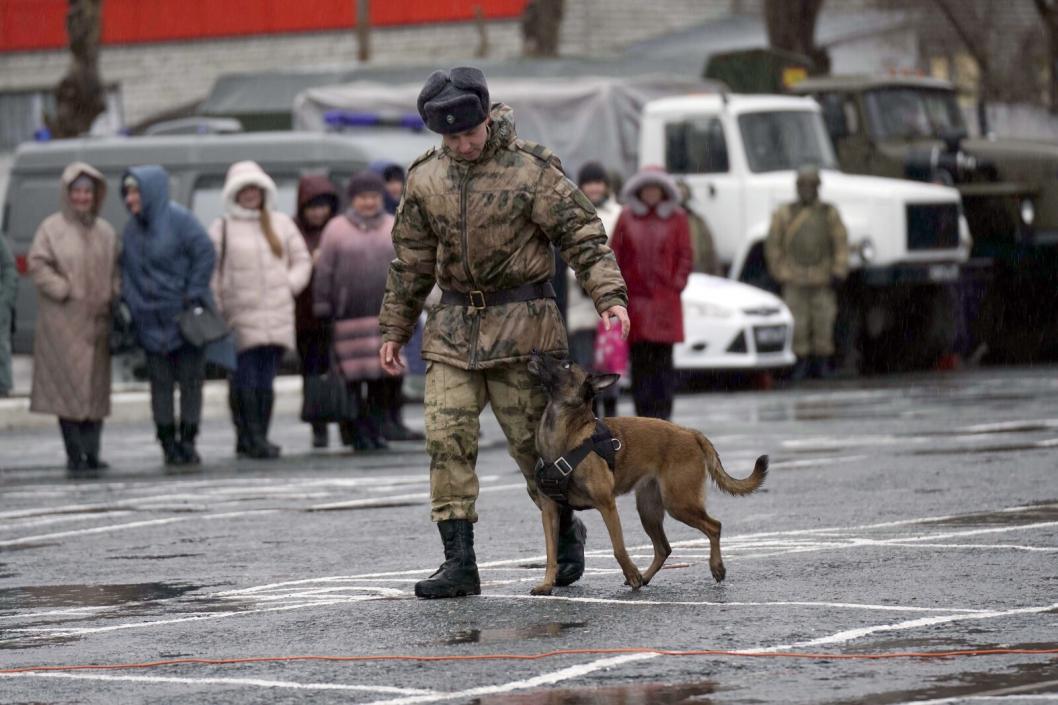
[(807, 252), (479, 217)]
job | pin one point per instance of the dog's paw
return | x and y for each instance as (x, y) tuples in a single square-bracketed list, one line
[(542, 589), (635, 581), (718, 571)]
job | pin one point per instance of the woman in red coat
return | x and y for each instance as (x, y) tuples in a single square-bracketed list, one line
[(653, 247)]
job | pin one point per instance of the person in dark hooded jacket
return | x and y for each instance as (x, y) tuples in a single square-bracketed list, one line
[(167, 260), (317, 204)]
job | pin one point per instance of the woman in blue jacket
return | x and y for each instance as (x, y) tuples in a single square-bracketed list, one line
[(166, 263)]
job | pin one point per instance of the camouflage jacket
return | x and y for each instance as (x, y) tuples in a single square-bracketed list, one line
[(489, 225), (806, 246)]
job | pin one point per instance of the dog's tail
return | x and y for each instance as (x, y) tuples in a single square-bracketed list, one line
[(724, 481)]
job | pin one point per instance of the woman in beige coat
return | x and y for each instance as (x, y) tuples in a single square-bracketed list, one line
[(262, 264), (74, 265)]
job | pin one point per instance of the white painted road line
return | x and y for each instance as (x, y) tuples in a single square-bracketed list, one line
[(256, 682), (535, 682), (851, 634)]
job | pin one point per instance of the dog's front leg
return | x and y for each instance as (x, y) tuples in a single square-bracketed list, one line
[(549, 516), (613, 525)]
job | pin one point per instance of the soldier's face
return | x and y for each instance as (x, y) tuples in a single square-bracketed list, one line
[(469, 144), (807, 190)]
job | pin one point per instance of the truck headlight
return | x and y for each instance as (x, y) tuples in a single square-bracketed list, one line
[(867, 251), (1028, 211)]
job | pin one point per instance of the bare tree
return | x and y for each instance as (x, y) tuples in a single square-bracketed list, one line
[(972, 31), (363, 30), (541, 25), (1048, 10), (791, 26), (80, 97)]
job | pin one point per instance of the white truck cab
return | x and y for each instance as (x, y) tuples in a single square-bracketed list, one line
[(739, 155)]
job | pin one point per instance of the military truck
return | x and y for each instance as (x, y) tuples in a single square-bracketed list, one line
[(912, 127), (739, 155)]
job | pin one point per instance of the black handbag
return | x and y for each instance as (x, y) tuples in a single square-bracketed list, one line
[(200, 325), (326, 399)]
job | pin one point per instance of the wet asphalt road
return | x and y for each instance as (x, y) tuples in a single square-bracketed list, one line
[(901, 514)]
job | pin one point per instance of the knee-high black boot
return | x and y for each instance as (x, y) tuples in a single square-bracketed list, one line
[(237, 402), (76, 466), (91, 438), (458, 575)]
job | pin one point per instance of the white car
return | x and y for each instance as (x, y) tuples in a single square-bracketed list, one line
[(728, 325)]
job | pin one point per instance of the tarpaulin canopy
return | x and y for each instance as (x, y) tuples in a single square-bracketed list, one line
[(581, 119)]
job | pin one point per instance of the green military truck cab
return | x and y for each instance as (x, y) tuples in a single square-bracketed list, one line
[(912, 127)]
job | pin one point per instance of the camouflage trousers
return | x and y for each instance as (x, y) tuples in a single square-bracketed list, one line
[(814, 309), (454, 400)]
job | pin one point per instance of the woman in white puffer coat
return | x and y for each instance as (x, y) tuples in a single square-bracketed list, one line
[(262, 264)]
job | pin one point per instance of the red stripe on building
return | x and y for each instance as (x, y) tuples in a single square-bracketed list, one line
[(32, 25)]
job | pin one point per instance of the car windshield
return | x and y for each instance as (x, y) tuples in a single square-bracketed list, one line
[(782, 140), (912, 113)]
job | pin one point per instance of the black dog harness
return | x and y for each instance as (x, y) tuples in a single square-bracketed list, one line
[(552, 479)]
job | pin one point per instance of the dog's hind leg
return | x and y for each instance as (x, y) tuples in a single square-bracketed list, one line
[(696, 516), (652, 514), (608, 509)]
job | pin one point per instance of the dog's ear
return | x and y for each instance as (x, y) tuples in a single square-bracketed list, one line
[(601, 382)]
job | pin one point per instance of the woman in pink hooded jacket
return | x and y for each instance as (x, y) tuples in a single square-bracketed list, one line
[(262, 264)]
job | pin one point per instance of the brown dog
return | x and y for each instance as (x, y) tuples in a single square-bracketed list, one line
[(666, 464)]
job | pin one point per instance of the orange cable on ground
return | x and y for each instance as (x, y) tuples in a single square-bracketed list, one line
[(817, 656)]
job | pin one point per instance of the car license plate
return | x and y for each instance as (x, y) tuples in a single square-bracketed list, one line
[(943, 272), (770, 335)]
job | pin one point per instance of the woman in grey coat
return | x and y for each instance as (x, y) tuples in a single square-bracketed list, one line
[(74, 265)]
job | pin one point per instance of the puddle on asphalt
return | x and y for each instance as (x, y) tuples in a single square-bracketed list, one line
[(499, 635), (632, 694), (1028, 678), (1044, 511), (162, 557), (51, 596)]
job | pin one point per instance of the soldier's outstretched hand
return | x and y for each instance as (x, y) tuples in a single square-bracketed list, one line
[(621, 314), (389, 356)]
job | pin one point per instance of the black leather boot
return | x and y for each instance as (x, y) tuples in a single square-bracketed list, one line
[(170, 450), (800, 369), (238, 420), (267, 401), (320, 436), (458, 575), (188, 433), (91, 436), (571, 536), (254, 420), (76, 466)]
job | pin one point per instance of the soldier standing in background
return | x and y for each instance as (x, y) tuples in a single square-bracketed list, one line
[(807, 252), (479, 216)]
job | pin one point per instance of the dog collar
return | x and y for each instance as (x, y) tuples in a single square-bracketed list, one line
[(553, 478)]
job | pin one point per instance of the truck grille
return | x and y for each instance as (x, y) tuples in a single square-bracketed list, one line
[(932, 226)]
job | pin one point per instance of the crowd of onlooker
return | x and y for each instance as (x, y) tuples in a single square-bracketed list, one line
[(258, 283)]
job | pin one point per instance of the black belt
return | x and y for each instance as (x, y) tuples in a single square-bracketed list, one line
[(483, 299)]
